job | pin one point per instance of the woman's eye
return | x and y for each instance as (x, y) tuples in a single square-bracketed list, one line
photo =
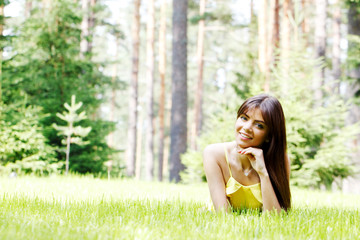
[(260, 126), (243, 118)]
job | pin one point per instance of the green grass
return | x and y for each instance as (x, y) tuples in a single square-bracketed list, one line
[(87, 208)]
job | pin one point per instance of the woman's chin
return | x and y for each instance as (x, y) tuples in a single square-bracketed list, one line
[(241, 145)]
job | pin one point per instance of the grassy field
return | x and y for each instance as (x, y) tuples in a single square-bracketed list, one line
[(87, 208)]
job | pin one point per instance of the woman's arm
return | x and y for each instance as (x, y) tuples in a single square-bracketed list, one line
[(270, 201), (215, 177), (256, 157)]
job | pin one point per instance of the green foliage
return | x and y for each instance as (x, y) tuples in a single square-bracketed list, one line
[(74, 134), (71, 117), (352, 1), (219, 128), (90, 158), (316, 131), (317, 135), (317, 139), (193, 172), (353, 62), (222, 13), (4, 2), (45, 69), (23, 147)]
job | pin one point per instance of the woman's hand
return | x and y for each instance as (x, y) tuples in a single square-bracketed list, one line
[(256, 158)]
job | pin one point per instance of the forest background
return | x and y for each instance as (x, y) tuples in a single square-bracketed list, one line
[(159, 80)]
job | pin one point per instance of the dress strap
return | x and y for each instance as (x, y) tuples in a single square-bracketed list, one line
[(227, 161)]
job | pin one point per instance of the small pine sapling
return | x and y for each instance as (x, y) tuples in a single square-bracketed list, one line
[(73, 134)]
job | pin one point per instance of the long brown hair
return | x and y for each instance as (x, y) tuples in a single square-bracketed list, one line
[(275, 148)]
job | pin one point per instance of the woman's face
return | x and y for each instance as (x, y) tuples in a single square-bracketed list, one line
[(250, 129)]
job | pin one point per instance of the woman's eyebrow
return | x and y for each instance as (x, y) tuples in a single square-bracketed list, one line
[(260, 121), (256, 120)]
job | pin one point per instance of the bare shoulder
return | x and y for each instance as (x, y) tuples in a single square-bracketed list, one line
[(213, 148), (214, 152)]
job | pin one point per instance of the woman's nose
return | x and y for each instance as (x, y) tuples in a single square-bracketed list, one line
[(247, 125)]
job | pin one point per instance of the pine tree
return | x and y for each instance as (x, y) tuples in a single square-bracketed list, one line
[(71, 117), (51, 71)]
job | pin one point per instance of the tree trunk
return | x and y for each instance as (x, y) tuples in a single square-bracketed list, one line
[(285, 43), (68, 141), (304, 25), (167, 137), (276, 28), (263, 43), (336, 49), (113, 90), (139, 141), (198, 114), (178, 130), (150, 98), (91, 25), (2, 23), (353, 90), (275, 32), (320, 48), (133, 101), (28, 8), (84, 27), (273, 38), (251, 11), (162, 69)]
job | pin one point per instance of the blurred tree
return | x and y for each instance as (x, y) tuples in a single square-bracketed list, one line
[(274, 38), (115, 81), (276, 21), (150, 62), (179, 88), (28, 8), (320, 47), (285, 42), (315, 135), (84, 43), (133, 101), (87, 26), (92, 23), (353, 70), (47, 69), (198, 112), (23, 147), (336, 48), (162, 70), (2, 5), (263, 44)]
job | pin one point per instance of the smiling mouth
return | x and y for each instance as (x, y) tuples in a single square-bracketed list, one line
[(244, 135)]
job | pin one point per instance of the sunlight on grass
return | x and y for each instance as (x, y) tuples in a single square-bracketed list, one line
[(87, 208)]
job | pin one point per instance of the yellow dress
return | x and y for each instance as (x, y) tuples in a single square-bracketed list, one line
[(241, 196)]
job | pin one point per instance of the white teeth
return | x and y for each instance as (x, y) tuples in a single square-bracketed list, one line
[(244, 136)]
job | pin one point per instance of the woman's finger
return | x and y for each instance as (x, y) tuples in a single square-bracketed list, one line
[(248, 151)]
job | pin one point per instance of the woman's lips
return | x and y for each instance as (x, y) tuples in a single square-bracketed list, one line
[(245, 136)]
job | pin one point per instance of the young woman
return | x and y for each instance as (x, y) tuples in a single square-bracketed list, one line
[(253, 171)]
